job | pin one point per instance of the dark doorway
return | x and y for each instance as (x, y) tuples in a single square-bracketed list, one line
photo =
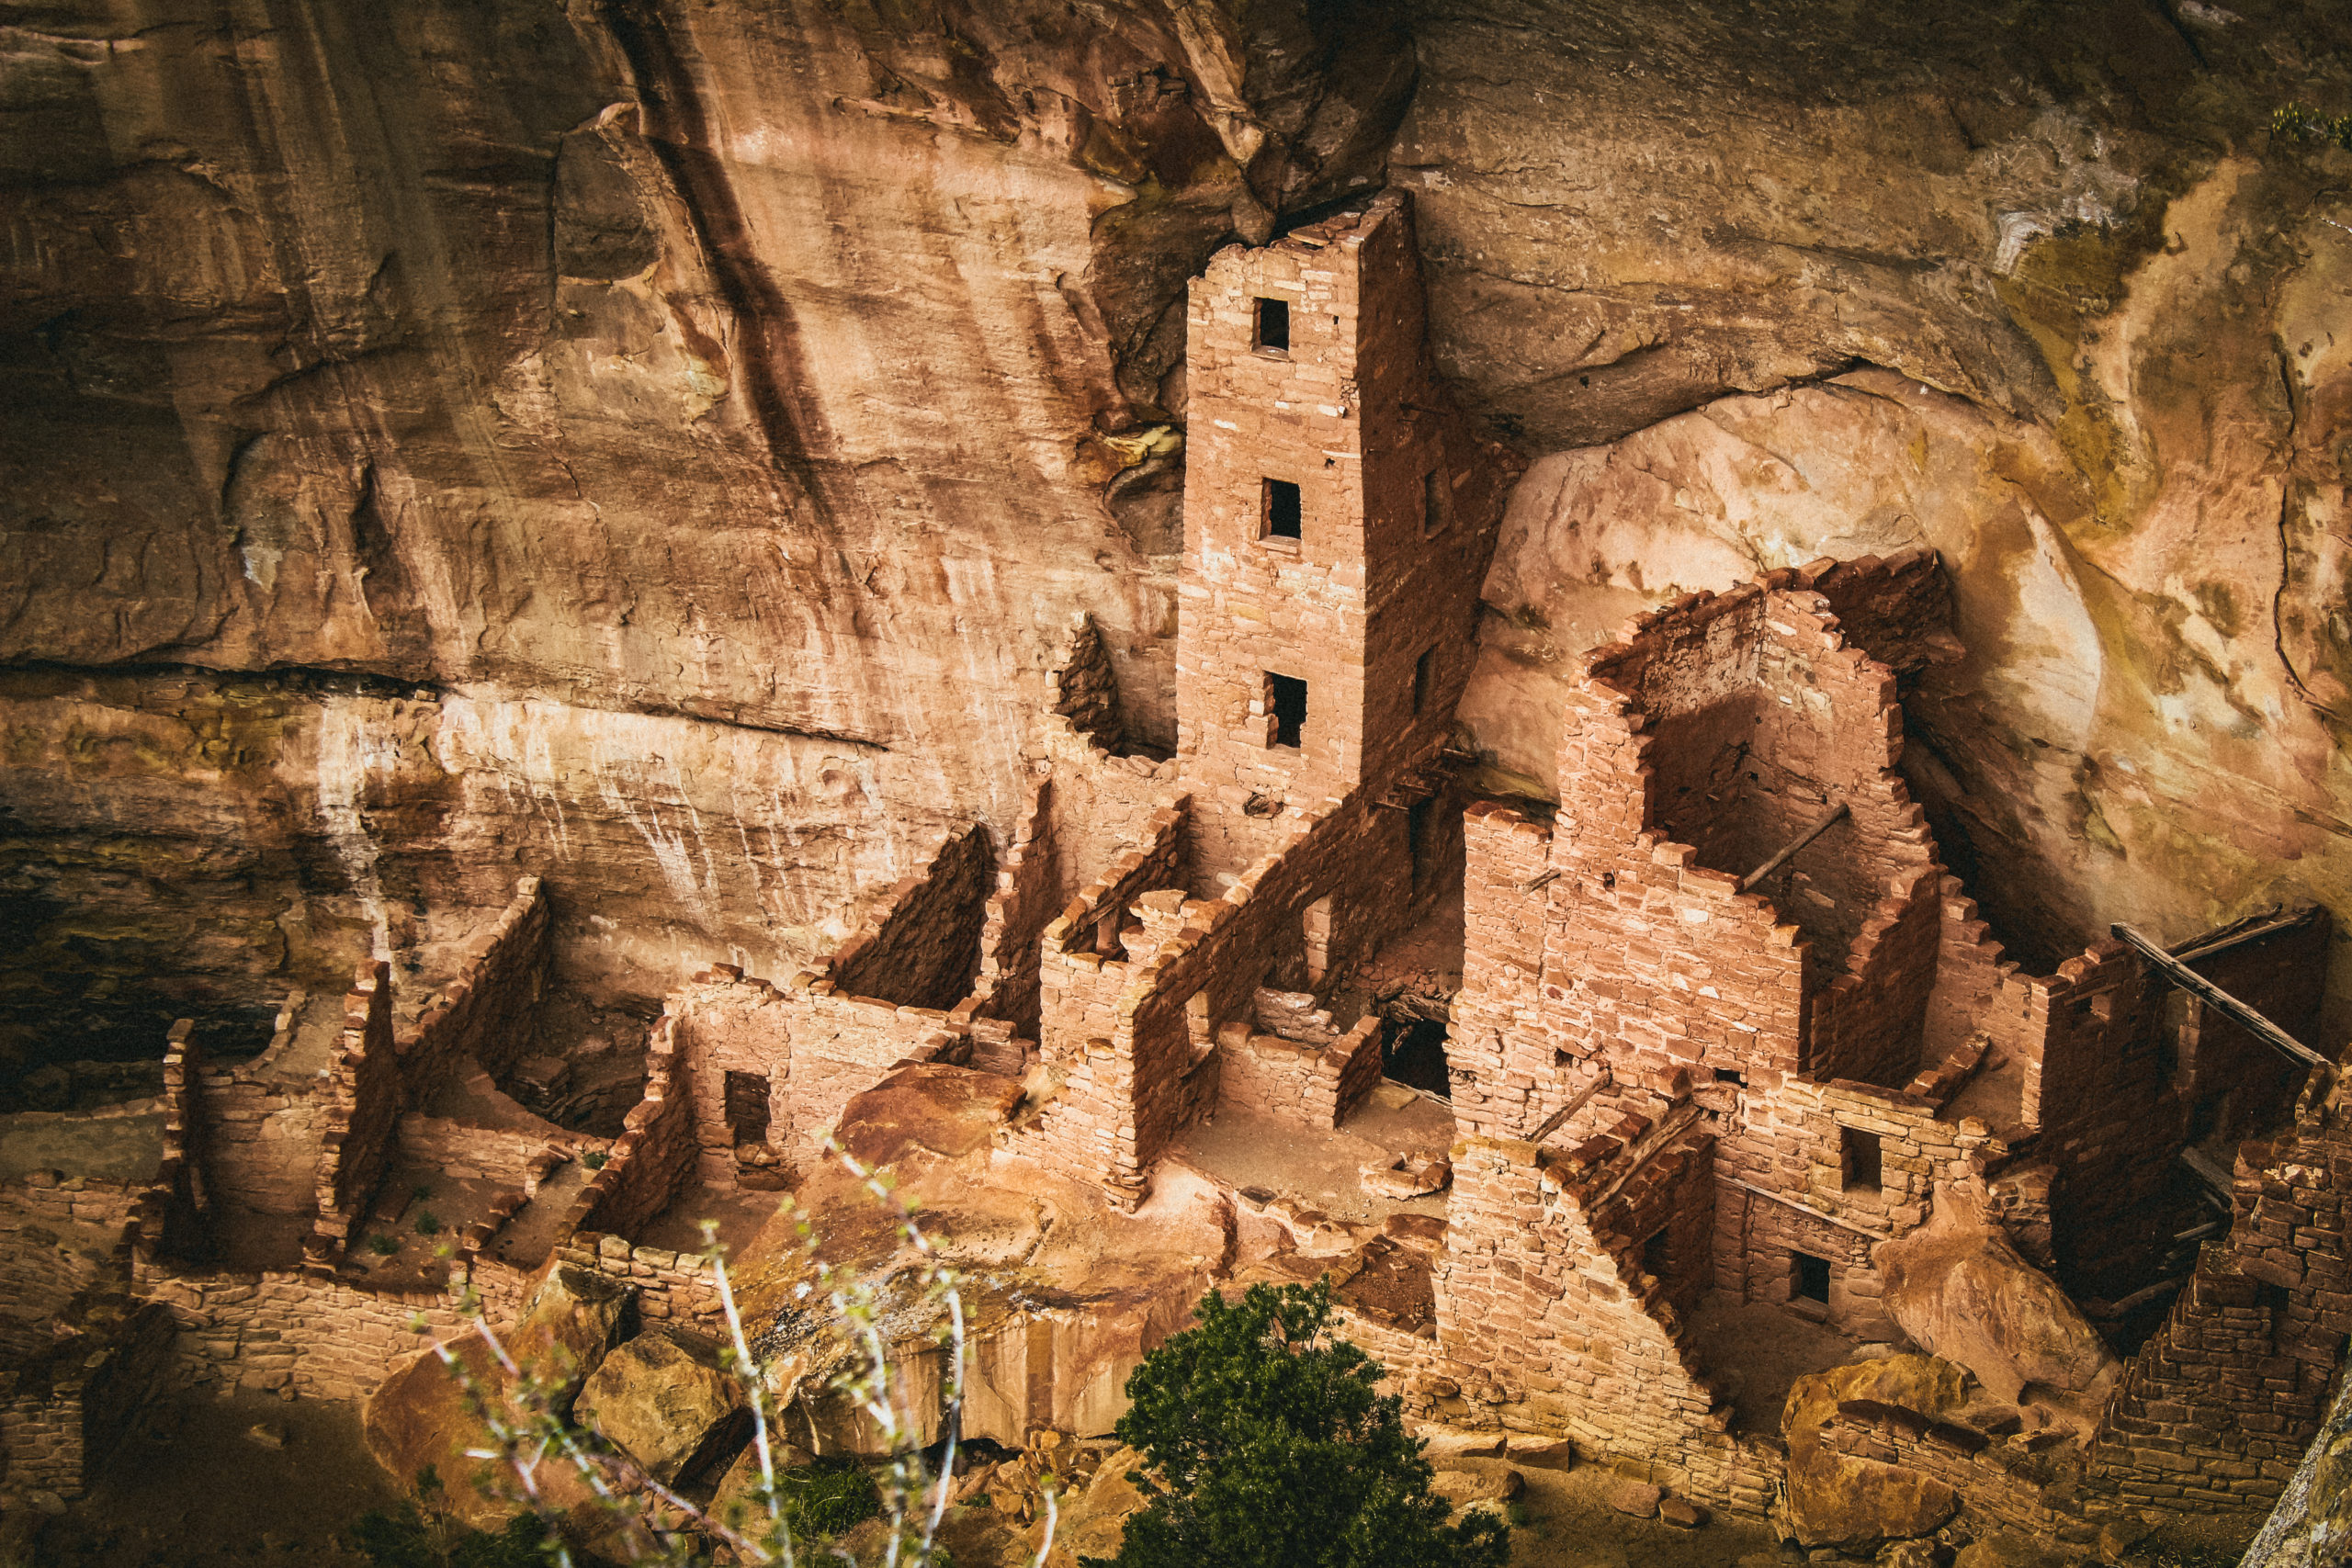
[(1809, 1280), (1657, 1253), (1414, 1057), (1287, 697), (1273, 325), (1858, 1151), (1283, 510), (747, 1107), (1418, 823)]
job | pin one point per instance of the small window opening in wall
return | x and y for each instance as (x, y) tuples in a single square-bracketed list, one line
[(1437, 502), (1196, 1020), (1738, 1080), (1809, 1278), (1858, 1156), (1273, 325), (1657, 1253), (1280, 511), (1423, 679), (1286, 700), (747, 1107)]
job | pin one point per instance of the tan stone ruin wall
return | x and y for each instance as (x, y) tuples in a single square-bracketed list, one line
[(486, 1013), (56, 1433), (1083, 960), (672, 1287), (1507, 1080), (358, 1129), (1086, 689), (2215, 1410), (267, 1330), (40, 1270), (924, 949), (1027, 895), (1310, 1084), (815, 1047), (2001, 1486), (651, 1163), (1545, 1330)]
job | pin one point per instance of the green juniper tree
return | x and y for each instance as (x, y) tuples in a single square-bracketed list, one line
[(1270, 1450)]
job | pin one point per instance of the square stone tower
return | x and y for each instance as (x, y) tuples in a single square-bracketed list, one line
[(1327, 579)]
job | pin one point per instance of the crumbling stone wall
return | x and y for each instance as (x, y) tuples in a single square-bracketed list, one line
[(2214, 1412), (655, 1156), (487, 1014), (924, 949), (327, 1339), (2002, 1486), (1311, 1084), (672, 1287), (361, 1115), (63, 1413), (1027, 895), (1103, 801)]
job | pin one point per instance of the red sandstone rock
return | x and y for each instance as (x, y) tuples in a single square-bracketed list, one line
[(1637, 1498)]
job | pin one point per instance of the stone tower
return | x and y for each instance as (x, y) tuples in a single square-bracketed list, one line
[(1319, 644)]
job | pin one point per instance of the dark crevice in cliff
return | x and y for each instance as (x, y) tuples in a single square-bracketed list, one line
[(677, 127)]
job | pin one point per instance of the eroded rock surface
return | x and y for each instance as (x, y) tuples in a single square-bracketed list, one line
[(1854, 1503)]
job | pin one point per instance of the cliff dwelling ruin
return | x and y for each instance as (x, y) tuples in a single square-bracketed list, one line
[(1711, 1096)]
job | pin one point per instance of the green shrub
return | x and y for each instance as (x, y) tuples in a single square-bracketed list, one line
[(383, 1246), (429, 1223), (594, 1159), (408, 1539), (821, 1500), (2300, 122), (1272, 1451)]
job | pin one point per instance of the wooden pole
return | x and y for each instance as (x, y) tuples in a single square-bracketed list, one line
[(1837, 814), (2213, 996)]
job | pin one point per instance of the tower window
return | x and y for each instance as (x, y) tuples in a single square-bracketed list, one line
[(747, 1107), (1273, 325), (1286, 700), (1423, 679), (1437, 502), (1657, 1253), (1858, 1156), (1280, 510), (1809, 1278)]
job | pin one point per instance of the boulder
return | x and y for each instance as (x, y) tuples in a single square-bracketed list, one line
[(418, 1418), (1682, 1513), (1092, 1522), (665, 1397), (1544, 1454), (1467, 1489), (568, 1324), (1439, 1443), (1963, 1293), (1853, 1505), (1636, 1499)]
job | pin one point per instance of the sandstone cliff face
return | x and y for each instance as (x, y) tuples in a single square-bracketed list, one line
[(661, 446)]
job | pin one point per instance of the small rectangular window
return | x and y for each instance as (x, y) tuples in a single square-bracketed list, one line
[(1273, 325), (747, 1107), (1858, 1154), (1420, 819), (1809, 1278), (1657, 1253), (1437, 502), (1422, 679), (1286, 700), (1280, 510)]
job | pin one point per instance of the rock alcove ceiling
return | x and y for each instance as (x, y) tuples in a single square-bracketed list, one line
[(661, 446)]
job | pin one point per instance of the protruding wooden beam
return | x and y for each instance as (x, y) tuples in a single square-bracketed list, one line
[(2213, 996), (2216, 1180), (1838, 814)]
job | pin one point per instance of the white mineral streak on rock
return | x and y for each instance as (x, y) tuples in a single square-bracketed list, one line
[(349, 752)]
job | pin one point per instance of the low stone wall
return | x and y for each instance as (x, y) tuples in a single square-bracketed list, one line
[(1314, 1086), (672, 1287), (60, 1417), (2002, 1486), (486, 1013), (360, 1124), (654, 1158), (324, 1338), (1028, 895), (924, 948)]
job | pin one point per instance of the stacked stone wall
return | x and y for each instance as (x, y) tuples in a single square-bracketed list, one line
[(1546, 1328), (1311, 1085), (1132, 1039), (924, 948), (2215, 1410), (2002, 1486), (360, 1123), (653, 1160), (323, 1337), (672, 1287), (1372, 584), (59, 1421), (1027, 895), (487, 1014)]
